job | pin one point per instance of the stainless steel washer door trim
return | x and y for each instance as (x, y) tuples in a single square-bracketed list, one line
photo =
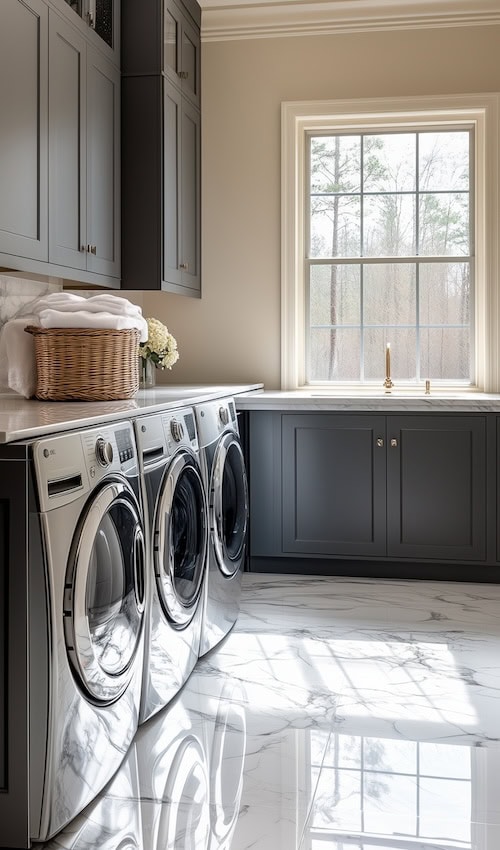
[(101, 685), (164, 566)]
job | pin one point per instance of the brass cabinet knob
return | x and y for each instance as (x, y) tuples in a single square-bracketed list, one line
[(380, 442), (184, 266), (394, 443)]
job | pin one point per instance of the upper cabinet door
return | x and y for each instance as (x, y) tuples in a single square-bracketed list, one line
[(181, 51), (103, 165), (67, 135), (84, 154), (23, 128)]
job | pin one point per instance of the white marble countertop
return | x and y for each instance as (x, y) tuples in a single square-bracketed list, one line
[(23, 419), (403, 401)]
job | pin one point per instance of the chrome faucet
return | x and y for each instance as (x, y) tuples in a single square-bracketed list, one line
[(388, 384)]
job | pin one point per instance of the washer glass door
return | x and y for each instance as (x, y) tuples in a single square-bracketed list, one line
[(104, 601), (181, 534), (229, 504)]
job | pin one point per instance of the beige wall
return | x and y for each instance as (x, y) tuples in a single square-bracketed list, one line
[(233, 332)]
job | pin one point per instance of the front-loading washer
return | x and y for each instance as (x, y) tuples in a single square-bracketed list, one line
[(85, 560), (175, 512), (225, 479)]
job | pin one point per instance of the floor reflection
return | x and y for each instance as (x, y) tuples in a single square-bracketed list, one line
[(328, 720)]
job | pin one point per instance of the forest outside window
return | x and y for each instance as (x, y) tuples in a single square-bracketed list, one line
[(390, 235), (390, 256)]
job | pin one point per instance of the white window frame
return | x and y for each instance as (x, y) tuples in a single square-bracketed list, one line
[(300, 118)]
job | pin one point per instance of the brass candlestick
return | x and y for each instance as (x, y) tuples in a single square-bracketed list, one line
[(388, 384)]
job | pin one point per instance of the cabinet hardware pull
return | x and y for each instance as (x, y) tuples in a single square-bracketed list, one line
[(183, 75), (184, 266), (380, 442), (394, 443)]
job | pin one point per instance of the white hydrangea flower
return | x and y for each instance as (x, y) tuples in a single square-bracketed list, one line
[(160, 346)]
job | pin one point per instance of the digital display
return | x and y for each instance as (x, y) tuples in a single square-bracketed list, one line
[(189, 420)]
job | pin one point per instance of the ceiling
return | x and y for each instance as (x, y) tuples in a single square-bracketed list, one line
[(235, 19)]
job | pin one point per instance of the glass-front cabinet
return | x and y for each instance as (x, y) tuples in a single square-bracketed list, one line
[(100, 16)]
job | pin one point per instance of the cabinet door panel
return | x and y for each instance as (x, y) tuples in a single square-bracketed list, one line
[(23, 128), (436, 504), (333, 484), (172, 127), (103, 165), (190, 199), (67, 134)]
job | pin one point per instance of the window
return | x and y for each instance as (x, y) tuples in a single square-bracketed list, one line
[(389, 255), (390, 236)]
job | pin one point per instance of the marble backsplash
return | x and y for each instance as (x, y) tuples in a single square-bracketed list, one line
[(17, 292)]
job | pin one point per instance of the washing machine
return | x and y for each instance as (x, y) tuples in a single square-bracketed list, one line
[(86, 600), (176, 521), (225, 480), (174, 780)]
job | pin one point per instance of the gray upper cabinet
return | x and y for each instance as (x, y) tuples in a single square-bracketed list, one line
[(83, 154), (161, 147), (23, 130), (181, 51), (60, 142)]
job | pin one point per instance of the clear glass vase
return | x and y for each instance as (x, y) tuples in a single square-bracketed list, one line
[(147, 373)]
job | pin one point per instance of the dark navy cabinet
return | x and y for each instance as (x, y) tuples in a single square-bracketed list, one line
[(334, 487), (161, 146), (378, 488)]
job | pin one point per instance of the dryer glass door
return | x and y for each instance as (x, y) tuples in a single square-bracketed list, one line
[(104, 603), (181, 538), (229, 504)]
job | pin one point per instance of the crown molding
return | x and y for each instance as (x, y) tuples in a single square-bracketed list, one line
[(244, 20)]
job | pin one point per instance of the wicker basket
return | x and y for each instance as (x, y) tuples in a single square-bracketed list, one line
[(85, 364)]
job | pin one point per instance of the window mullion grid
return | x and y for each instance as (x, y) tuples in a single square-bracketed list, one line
[(361, 265), (306, 330), (418, 337)]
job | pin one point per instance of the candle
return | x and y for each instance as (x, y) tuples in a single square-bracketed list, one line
[(388, 360)]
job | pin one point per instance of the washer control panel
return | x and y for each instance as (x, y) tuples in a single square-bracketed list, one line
[(71, 464), (162, 434), (213, 418), (180, 429)]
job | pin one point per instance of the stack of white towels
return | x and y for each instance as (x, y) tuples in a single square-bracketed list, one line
[(59, 310)]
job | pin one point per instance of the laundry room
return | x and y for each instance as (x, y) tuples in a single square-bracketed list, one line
[(249, 424)]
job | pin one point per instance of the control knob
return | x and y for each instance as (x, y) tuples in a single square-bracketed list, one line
[(223, 415), (177, 430), (103, 452)]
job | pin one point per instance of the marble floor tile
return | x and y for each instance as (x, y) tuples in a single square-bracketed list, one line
[(339, 714)]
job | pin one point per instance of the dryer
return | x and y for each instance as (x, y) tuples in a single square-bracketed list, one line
[(225, 479), (85, 595), (176, 543)]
